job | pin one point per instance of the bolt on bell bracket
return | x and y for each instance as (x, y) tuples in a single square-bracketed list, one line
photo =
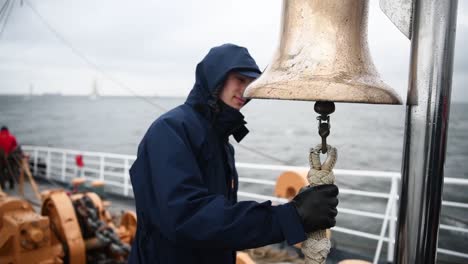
[(324, 108)]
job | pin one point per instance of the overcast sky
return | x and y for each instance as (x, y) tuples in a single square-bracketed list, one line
[(152, 47)]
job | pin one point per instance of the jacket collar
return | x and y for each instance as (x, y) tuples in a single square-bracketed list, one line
[(230, 121), (225, 120)]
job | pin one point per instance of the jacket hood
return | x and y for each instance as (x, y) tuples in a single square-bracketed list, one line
[(212, 71), (210, 76)]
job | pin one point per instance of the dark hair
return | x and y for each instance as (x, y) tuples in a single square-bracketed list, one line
[(4, 128)]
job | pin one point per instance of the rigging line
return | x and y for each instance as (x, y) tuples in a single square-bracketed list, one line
[(7, 15), (5, 4), (5, 11), (98, 69), (262, 154), (89, 62), (3, 8)]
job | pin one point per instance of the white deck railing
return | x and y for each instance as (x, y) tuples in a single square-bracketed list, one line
[(113, 170)]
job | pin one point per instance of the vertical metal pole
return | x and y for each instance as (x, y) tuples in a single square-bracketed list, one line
[(48, 164), (427, 116), (64, 165), (387, 218), (36, 159), (126, 176), (101, 167), (392, 226)]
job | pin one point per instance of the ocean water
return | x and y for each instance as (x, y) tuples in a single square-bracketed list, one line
[(368, 137)]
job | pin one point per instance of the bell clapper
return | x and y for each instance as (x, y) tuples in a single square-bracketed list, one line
[(324, 108)]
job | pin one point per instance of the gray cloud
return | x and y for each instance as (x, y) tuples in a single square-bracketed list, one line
[(154, 46)]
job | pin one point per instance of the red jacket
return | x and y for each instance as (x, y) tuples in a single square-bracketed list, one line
[(7, 142)]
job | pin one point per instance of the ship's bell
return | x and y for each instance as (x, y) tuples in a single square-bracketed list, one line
[(323, 55)]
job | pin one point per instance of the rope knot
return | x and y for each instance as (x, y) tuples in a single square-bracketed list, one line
[(317, 246)]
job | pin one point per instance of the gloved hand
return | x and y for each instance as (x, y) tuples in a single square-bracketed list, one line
[(316, 206)]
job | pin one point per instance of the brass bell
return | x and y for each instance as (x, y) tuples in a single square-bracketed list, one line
[(323, 55)]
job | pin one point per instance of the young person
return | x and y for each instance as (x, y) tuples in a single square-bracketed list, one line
[(185, 181)]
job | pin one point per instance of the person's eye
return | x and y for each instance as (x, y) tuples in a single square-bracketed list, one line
[(242, 80)]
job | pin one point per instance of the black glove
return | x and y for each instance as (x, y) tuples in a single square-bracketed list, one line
[(316, 206)]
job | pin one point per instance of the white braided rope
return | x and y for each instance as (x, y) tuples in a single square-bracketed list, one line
[(317, 246)]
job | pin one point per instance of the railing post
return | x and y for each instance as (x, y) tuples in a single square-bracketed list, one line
[(35, 162), (387, 218), (126, 176), (48, 164), (101, 167), (64, 165), (392, 227)]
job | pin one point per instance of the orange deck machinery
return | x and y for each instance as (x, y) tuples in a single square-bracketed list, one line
[(25, 236), (72, 228)]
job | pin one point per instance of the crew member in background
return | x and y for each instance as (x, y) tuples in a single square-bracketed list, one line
[(7, 145), (185, 181)]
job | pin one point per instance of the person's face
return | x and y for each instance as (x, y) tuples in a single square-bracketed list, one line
[(231, 93)]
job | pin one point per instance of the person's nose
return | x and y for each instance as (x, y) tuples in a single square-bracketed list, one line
[(243, 87)]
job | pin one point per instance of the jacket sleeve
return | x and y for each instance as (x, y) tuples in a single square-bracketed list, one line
[(197, 218)]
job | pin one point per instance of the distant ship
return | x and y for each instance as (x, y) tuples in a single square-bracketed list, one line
[(52, 94), (94, 93), (28, 97)]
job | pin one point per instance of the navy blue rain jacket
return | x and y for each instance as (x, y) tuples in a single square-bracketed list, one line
[(185, 181)]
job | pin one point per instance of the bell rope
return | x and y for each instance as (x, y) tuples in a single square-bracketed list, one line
[(317, 246)]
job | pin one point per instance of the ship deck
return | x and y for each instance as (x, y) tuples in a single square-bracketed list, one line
[(270, 254)]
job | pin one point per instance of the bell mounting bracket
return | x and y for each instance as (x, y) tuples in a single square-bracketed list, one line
[(324, 108)]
